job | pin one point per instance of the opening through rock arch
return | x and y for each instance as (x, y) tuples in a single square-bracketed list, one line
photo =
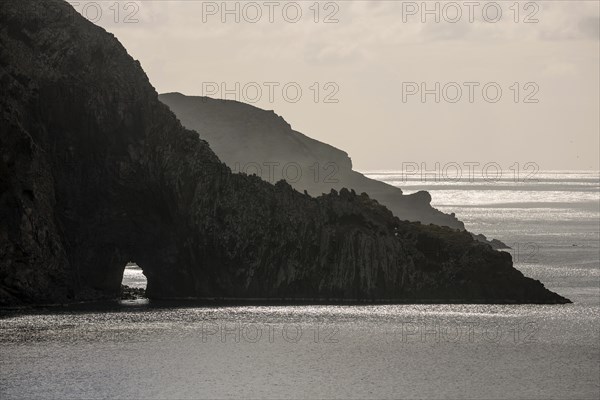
[(134, 283)]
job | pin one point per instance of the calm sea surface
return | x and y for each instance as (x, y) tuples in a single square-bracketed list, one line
[(138, 349)]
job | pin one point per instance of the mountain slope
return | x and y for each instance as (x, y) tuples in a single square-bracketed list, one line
[(252, 140), (95, 171)]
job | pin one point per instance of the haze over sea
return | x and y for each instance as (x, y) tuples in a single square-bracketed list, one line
[(141, 349)]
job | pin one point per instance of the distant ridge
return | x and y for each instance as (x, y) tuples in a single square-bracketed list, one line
[(246, 137)]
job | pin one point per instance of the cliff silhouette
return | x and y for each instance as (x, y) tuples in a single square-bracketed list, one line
[(95, 171), (255, 141)]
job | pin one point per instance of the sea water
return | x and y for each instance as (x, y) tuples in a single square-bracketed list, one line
[(142, 349)]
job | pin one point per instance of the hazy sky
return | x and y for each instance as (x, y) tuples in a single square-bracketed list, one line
[(375, 60)]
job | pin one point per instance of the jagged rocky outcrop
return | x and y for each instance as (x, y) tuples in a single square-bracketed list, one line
[(95, 171), (255, 141), (131, 293)]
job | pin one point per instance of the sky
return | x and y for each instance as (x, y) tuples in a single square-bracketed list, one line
[(390, 82)]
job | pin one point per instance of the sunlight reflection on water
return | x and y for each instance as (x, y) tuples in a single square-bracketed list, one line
[(149, 349)]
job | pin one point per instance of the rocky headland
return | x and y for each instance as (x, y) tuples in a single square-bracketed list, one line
[(95, 171), (255, 141)]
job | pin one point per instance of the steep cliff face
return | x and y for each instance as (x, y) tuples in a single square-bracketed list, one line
[(95, 171), (260, 142)]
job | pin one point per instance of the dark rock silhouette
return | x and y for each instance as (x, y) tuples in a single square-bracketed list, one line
[(131, 293), (495, 243), (255, 141), (95, 172)]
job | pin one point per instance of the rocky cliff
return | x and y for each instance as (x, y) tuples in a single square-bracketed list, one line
[(255, 141), (95, 171)]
